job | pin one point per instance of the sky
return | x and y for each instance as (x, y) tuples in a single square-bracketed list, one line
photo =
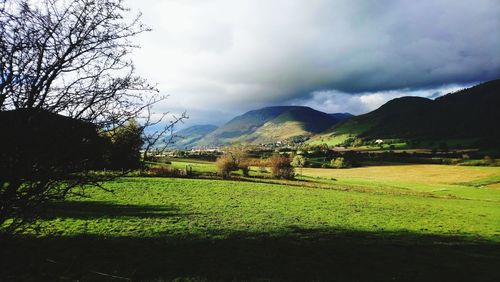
[(218, 59)]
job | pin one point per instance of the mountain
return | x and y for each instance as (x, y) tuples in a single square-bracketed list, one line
[(341, 116), (187, 138), (472, 113), (271, 124)]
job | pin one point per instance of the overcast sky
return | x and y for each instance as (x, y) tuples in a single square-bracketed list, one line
[(217, 59)]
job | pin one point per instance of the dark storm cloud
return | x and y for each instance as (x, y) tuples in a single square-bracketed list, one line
[(237, 55)]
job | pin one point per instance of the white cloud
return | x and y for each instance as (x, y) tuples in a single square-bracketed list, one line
[(230, 56), (333, 101)]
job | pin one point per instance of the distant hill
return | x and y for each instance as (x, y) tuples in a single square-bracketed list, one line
[(187, 138), (341, 116), (469, 113), (272, 124)]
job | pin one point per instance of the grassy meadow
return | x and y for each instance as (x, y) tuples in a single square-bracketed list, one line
[(399, 222)]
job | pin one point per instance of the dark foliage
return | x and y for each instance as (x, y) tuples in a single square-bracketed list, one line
[(67, 58), (43, 155), (124, 150)]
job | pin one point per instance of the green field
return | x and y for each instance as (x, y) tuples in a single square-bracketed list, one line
[(413, 222), (328, 139), (444, 181)]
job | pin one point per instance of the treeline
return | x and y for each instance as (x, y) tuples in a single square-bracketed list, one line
[(324, 157)]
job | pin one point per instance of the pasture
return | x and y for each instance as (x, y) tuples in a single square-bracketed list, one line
[(413, 222), (464, 182)]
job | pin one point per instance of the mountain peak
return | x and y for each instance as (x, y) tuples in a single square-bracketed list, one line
[(274, 123), (469, 113)]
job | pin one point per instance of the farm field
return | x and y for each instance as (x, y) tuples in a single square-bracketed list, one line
[(158, 229), (464, 182)]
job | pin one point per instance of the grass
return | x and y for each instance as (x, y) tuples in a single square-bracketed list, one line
[(199, 166), (190, 207), (329, 139), (470, 183), (435, 174), (311, 229)]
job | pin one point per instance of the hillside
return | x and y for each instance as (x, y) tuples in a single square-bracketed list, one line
[(271, 124), (341, 116), (187, 138), (471, 113)]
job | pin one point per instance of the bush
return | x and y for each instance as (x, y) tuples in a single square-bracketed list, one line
[(163, 171), (126, 143), (340, 162), (299, 161), (487, 160), (244, 165), (262, 168), (234, 159), (225, 165), (281, 167)]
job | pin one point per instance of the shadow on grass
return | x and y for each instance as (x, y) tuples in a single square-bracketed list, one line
[(295, 254), (92, 209)]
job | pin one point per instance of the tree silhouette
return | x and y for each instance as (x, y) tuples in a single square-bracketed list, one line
[(65, 76)]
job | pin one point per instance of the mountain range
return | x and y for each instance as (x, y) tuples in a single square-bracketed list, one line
[(472, 113), (188, 137), (266, 125)]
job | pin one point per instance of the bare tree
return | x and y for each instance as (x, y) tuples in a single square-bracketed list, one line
[(160, 138), (66, 58), (71, 57)]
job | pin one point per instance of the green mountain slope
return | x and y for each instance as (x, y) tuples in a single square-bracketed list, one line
[(187, 138), (271, 124), (469, 113)]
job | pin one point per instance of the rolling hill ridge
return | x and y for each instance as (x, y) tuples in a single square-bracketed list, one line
[(469, 113), (472, 114), (271, 124), (187, 138)]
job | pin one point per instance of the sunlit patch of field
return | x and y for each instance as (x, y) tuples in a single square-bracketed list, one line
[(199, 166), (152, 207), (439, 180), (329, 139), (419, 173), (494, 186)]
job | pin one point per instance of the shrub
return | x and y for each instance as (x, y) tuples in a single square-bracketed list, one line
[(163, 171), (126, 143), (225, 165), (340, 162), (443, 147), (487, 160), (262, 168), (281, 167), (234, 159), (299, 161), (244, 165), (357, 142)]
